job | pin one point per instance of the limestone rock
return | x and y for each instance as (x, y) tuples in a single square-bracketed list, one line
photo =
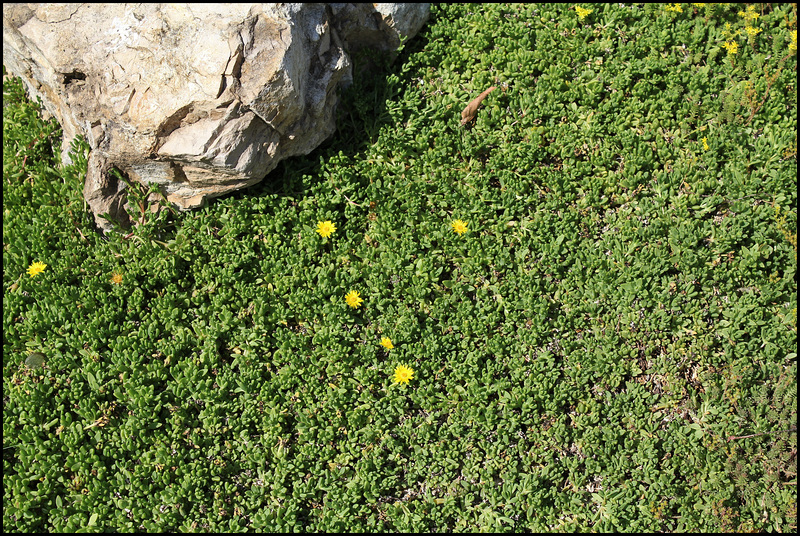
[(200, 99)]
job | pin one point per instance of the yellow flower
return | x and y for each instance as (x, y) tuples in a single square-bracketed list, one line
[(459, 226), (674, 7), (386, 342), (752, 32), (402, 374), (36, 268), (353, 299), (750, 14), (116, 278), (726, 33), (582, 12), (731, 47), (793, 44), (705, 143), (325, 228)]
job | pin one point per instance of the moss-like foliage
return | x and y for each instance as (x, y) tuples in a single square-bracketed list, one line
[(588, 292)]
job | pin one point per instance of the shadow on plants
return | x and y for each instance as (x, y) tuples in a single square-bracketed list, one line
[(361, 114)]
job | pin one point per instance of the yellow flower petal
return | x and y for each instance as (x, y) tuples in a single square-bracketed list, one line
[(353, 299), (402, 374), (582, 12), (36, 268), (732, 47), (459, 226), (325, 228)]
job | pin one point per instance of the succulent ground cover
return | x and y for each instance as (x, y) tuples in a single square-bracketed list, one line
[(576, 311)]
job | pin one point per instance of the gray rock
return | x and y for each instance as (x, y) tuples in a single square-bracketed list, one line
[(200, 99)]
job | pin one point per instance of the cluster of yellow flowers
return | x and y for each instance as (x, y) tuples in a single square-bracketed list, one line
[(750, 16), (402, 373), (582, 12), (752, 32), (732, 47)]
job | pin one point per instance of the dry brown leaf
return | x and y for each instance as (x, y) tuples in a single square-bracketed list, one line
[(468, 114)]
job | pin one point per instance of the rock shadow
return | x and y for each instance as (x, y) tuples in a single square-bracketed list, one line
[(361, 114)]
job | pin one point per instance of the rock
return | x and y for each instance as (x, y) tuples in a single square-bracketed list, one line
[(200, 99)]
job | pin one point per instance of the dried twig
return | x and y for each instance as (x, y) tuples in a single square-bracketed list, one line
[(792, 429)]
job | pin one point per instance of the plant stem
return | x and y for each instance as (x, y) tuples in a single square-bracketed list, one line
[(792, 429)]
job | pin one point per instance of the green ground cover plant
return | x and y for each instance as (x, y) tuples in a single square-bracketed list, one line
[(577, 312)]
